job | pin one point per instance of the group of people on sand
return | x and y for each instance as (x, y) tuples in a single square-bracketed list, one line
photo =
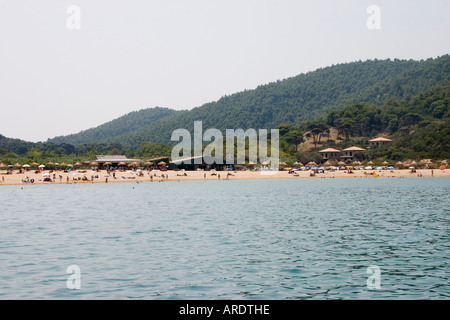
[(164, 176)]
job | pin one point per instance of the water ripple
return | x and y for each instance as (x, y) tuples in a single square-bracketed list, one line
[(268, 239)]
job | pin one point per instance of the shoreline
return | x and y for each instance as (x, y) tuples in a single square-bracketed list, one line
[(75, 177)]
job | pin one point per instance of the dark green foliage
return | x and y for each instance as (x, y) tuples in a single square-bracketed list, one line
[(409, 100), (304, 97), (118, 127), (419, 126)]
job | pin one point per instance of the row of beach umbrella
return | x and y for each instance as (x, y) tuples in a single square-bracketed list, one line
[(162, 163), (37, 165), (77, 164)]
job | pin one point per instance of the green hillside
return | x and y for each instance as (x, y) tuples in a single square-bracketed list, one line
[(407, 100), (419, 127), (115, 128), (304, 97)]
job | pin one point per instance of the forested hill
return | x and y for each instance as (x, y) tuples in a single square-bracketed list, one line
[(304, 97), (120, 126)]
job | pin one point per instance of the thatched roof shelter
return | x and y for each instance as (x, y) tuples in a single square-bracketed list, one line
[(330, 162), (114, 160)]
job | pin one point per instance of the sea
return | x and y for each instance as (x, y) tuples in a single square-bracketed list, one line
[(322, 239)]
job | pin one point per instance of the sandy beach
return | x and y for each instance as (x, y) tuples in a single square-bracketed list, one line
[(88, 176)]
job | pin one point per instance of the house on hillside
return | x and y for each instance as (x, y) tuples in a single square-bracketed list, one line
[(330, 153), (349, 153), (334, 154), (379, 142)]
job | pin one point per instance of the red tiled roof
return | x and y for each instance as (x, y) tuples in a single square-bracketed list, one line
[(354, 148), (330, 150)]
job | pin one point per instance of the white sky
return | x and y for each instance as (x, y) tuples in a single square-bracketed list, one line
[(130, 55)]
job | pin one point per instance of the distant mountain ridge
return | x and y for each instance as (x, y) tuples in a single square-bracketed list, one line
[(303, 97)]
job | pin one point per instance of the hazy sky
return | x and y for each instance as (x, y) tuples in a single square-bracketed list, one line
[(61, 72)]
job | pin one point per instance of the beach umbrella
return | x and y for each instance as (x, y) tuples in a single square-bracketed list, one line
[(251, 163), (149, 163), (107, 163), (282, 164), (77, 164), (341, 163), (2, 165), (42, 166), (122, 163), (17, 165), (413, 163), (312, 163), (162, 163), (50, 163), (94, 164), (26, 166), (136, 164), (385, 163), (63, 164), (370, 162), (298, 164), (330, 162)]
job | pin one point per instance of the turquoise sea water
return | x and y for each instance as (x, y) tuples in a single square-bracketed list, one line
[(258, 239)]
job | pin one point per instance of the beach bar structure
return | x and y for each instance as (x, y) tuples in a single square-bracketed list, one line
[(104, 161), (379, 142), (194, 163)]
